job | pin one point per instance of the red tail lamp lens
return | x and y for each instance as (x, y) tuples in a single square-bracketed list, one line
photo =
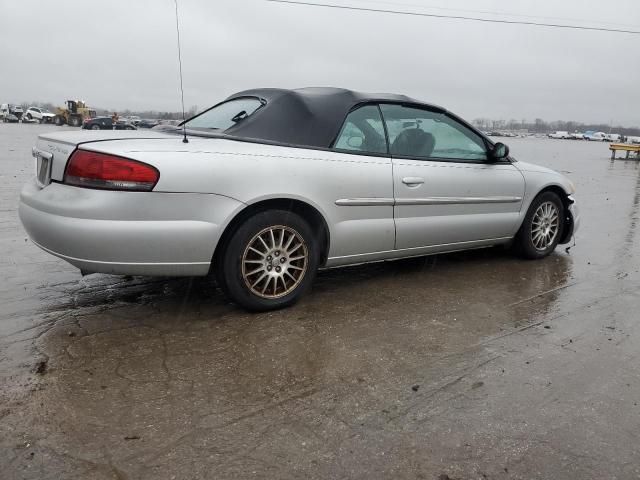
[(109, 172)]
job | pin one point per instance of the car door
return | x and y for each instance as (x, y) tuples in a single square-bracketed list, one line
[(358, 182), (447, 191)]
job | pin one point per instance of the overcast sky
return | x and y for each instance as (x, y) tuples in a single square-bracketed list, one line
[(121, 54)]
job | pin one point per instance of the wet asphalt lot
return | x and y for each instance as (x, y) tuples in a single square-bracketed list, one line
[(465, 366)]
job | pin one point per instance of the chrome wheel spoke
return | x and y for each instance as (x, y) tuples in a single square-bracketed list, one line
[(257, 251), (288, 244), (289, 252), (259, 280), (263, 243), (536, 241), (253, 272), (266, 285)]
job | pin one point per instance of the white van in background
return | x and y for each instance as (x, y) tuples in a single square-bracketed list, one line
[(560, 134)]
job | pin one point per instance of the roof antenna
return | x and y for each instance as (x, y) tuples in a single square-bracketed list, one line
[(184, 128)]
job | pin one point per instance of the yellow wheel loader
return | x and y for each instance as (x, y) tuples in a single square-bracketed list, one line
[(74, 114)]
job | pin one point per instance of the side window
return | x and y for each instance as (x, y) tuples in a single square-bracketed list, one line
[(418, 133), (362, 131)]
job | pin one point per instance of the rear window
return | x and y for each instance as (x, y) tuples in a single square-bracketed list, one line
[(226, 115)]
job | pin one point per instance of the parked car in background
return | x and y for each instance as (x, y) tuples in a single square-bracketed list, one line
[(40, 114), (134, 120), (613, 137), (560, 134), (577, 136), (595, 136), (9, 117), (106, 123), (262, 203), (10, 112), (169, 122), (147, 123)]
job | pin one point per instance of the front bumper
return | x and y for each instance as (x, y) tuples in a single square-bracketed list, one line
[(126, 233), (575, 213), (573, 221)]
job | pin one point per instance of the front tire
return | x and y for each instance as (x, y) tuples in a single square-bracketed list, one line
[(542, 227), (269, 262)]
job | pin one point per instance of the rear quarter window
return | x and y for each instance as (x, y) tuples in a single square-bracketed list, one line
[(226, 115)]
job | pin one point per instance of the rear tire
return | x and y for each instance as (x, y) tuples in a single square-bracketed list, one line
[(95, 126), (542, 227), (269, 262), (59, 121)]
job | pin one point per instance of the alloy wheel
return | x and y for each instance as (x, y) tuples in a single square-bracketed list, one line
[(545, 225), (275, 262)]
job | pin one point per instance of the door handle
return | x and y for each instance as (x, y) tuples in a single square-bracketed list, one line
[(413, 181)]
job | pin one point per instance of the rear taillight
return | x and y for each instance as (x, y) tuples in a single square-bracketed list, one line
[(109, 172)]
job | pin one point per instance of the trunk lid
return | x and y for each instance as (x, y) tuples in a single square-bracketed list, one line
[(52, 150)]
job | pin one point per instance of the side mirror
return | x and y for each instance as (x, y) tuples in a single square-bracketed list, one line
[(500, 151)]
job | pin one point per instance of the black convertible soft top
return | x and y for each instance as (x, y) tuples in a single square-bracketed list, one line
[(306, 116)]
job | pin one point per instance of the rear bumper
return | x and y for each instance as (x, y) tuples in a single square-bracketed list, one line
[(126, 233)]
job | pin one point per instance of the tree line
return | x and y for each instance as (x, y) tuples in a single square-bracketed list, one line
[(541, 126)]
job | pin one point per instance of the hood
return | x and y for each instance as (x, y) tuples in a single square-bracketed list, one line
[(543, 176), (532, 167)]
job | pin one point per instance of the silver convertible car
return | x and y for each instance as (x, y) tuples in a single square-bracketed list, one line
[(268, 186)]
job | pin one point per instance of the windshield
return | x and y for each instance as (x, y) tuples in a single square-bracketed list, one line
[(226, 115)]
